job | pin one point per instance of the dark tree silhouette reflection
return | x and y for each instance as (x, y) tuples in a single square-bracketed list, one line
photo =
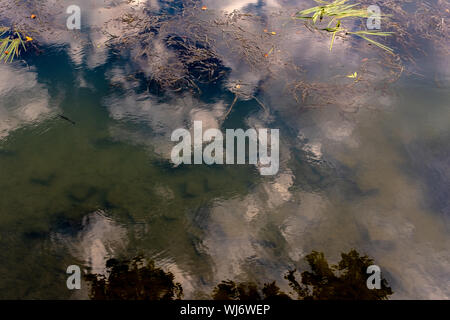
[(344, 281), (137, 279), (134, 279), (229, 290)]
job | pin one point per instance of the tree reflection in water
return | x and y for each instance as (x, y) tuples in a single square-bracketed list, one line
[(138, 279)]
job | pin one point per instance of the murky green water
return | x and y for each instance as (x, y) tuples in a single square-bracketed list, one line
[(370, 172)]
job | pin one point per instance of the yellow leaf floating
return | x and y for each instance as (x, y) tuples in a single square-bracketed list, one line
[(353, 76), (269, 53)]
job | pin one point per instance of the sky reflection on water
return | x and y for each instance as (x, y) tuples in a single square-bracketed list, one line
[(368, 171)]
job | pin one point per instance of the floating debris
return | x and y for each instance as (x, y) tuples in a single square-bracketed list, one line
[(67, 119)]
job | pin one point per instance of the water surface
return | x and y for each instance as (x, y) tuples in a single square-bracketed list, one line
[(362, 165)]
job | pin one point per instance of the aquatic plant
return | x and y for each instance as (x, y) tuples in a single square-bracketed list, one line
[(336, 12), (10, 44), (184, 51)]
